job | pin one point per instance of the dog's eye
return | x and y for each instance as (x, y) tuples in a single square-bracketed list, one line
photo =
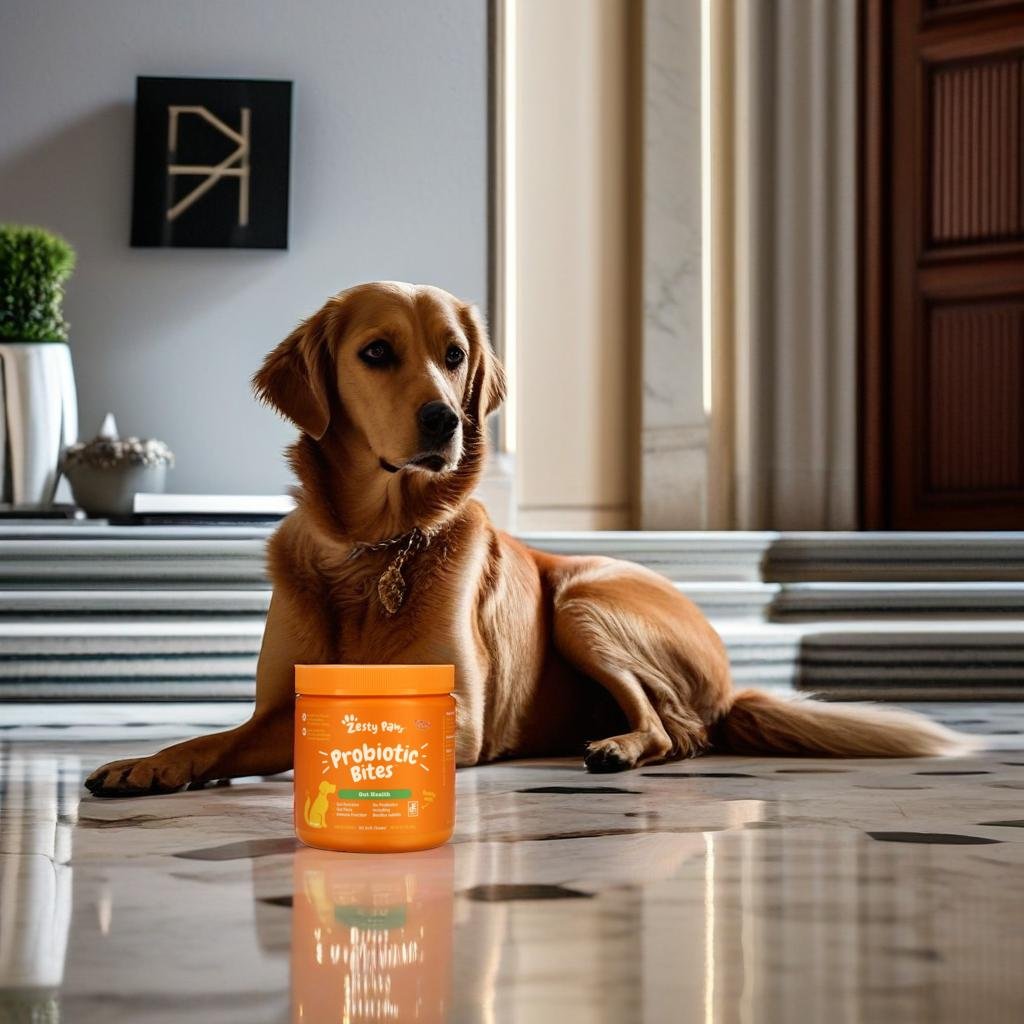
[(377, 353), (454, 356)]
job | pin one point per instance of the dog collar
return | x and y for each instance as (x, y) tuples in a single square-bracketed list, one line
[(391, 584)]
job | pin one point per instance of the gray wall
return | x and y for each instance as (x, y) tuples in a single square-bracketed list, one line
[(389, 180)]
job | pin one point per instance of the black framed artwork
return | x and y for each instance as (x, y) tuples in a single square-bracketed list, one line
[(212, 160)]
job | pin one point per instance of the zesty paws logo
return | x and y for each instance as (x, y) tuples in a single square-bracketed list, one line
[(352, 725)]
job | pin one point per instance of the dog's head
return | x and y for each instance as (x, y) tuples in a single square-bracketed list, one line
[(399, 374)]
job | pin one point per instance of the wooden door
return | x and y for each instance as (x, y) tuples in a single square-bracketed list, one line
[(943, 265)]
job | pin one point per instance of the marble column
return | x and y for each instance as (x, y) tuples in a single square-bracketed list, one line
[(674, 428), (748, 407)]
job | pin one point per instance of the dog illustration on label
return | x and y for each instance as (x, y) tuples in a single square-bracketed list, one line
[(315, 812)]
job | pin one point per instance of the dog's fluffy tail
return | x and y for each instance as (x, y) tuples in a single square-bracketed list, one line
[(759, 723)]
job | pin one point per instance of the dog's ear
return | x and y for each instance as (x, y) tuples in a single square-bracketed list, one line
[(487, 376), (293, 378)]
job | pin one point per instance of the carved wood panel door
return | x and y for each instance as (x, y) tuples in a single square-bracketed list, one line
[(951, 230)]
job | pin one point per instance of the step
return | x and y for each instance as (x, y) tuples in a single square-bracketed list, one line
[(791, 602), (942, 659), (112, 563), (721, 600), (984, 658), (906, 557), (77, 555), (183, 658), (679, 555), (181, 556), (761, 654), (114, 659), (149, 603), (882, 600), (727, 600), (176, 613), (123, 721)]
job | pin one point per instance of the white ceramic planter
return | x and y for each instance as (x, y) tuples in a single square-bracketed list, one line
[(40, 418)]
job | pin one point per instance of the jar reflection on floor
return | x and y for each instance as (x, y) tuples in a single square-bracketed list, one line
[(372, 936)]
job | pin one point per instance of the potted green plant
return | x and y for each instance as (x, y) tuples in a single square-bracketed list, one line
[(38, 402)]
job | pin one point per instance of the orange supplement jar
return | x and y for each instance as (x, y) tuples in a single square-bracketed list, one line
[(374, 756)]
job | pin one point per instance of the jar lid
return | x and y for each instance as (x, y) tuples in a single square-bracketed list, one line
[(374, 680)]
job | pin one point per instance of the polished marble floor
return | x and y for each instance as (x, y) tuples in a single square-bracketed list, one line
[(723, 889)]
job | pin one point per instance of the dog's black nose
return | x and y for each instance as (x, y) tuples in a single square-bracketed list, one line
[(437, 424)]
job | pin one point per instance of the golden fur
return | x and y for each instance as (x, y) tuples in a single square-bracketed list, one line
[(554, 655)]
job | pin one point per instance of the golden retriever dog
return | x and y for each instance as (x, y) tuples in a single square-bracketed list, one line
[(388, 559)]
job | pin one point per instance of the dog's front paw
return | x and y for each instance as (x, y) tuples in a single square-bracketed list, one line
[(605, 756), (140, 776)]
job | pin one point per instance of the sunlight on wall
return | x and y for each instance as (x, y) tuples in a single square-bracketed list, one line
[(572, 344)]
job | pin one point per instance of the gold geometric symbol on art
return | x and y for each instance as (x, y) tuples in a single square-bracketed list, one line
[(234, 166)]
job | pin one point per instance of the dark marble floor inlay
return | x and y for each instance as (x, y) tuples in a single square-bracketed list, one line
[(1010, 823), (132, 821), (974, 772), (277, 901), (932, 838), (247, 849), (509, 893), (578, 789)]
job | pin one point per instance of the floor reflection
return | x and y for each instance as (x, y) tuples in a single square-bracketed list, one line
[(372, 936), (38, 805), (760, 893)]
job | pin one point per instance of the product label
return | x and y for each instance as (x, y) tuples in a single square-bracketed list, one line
[(374, 765)]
